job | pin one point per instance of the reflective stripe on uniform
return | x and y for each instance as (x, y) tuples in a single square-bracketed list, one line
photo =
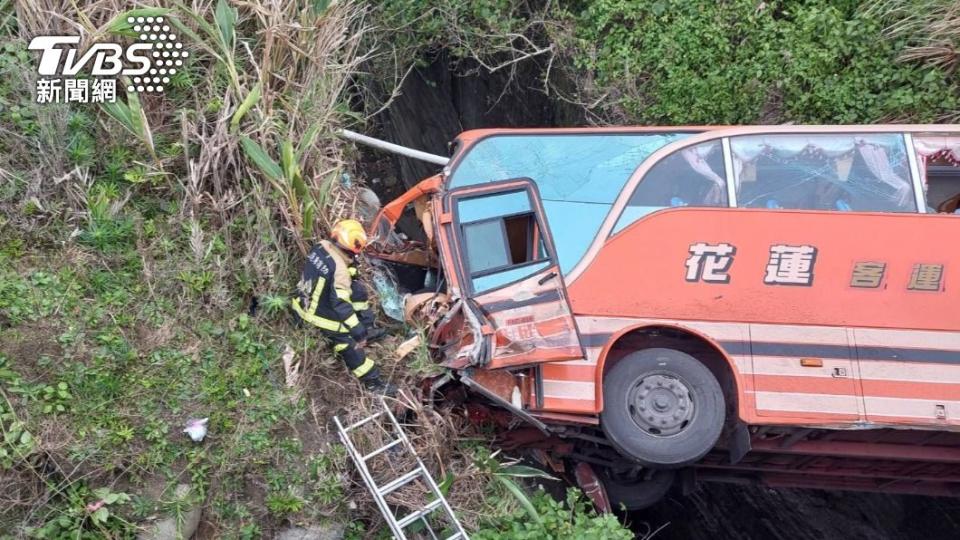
[(315, 295), (319, 322), (364, 368), (352, 270), (343, 294), (310, 314), (340, 346), (360, 306), (352, 321)]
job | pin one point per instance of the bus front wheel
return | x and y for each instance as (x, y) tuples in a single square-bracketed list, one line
[(662, 408)]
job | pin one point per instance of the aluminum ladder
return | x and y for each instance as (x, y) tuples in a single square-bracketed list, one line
[(380, 493)]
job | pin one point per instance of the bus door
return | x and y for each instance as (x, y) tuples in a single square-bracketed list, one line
[(507, 267)]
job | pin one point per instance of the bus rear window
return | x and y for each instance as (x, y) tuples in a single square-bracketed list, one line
[(842, 172)]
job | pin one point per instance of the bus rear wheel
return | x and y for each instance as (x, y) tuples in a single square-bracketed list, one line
[(662, 408)]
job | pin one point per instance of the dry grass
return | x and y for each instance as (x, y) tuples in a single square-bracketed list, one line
[(930, 27), (302, 62), (436, 435)]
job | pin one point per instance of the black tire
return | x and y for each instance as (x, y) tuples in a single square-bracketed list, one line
[(684, 402), (640, 492)]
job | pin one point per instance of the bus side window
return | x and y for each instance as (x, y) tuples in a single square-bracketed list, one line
[(939, 164), (692, 176), (842, 172)]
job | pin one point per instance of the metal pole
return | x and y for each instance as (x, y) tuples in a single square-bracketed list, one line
[(390, 147)]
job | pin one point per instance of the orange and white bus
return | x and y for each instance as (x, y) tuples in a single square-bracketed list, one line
[(778, 304)]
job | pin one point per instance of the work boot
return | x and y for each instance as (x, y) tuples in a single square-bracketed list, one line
[(375, 334), (373, 383)]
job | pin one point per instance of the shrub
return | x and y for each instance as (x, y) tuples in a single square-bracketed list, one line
[(572, 518), (676, 62)]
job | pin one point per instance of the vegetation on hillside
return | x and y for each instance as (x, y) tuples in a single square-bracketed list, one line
[(673, 62), (134, 238)]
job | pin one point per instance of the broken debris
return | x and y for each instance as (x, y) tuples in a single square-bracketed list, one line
[(196, 428)]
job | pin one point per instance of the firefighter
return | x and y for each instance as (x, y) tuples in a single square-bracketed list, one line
[(328, 298), (360, 300)]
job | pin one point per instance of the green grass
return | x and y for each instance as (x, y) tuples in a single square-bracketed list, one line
[(102, 366)]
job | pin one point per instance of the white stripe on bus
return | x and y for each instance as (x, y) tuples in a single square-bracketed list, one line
[(610, 325), (919, 372), (790, 366), (569, 389), (790, 402), (886, 407), (813, 335), (873, 337), (912, 408), (870, 370)]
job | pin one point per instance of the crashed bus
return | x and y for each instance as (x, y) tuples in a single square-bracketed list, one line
[(768, 304)]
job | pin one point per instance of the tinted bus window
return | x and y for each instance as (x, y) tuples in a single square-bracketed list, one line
[(842, 172), (690, 177)]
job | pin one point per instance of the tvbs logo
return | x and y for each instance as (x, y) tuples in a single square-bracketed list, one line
[(149, 63)]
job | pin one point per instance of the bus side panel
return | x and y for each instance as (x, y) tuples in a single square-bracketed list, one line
[(827, 295)]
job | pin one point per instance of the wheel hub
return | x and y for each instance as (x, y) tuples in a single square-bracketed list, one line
[(661, 405)]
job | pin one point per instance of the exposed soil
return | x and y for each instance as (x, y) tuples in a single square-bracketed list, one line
[(31, 341)]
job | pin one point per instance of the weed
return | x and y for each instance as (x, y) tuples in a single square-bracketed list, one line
[(420, 360), (55, 399), (136, 175), (106, 230), (116, 162), (17, 443), (572, 518), (274, 304), (197, 282), (282, 503), (325, 475), (86, 514)]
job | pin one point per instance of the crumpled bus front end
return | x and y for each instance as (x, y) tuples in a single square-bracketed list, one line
[(454, 332)]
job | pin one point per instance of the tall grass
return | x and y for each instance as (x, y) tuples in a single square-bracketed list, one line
[(245, 130), (931, 29)]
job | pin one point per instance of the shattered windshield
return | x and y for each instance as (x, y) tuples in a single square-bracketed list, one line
[(578, 175)]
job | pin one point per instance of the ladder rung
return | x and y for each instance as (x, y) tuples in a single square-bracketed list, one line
[(382, 449), (362, 422), (399, 482), (410, 518)]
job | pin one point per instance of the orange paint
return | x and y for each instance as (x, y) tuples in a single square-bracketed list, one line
[(649, 255)]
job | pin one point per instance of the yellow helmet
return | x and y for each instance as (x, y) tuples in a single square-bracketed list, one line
[(349, 234)]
